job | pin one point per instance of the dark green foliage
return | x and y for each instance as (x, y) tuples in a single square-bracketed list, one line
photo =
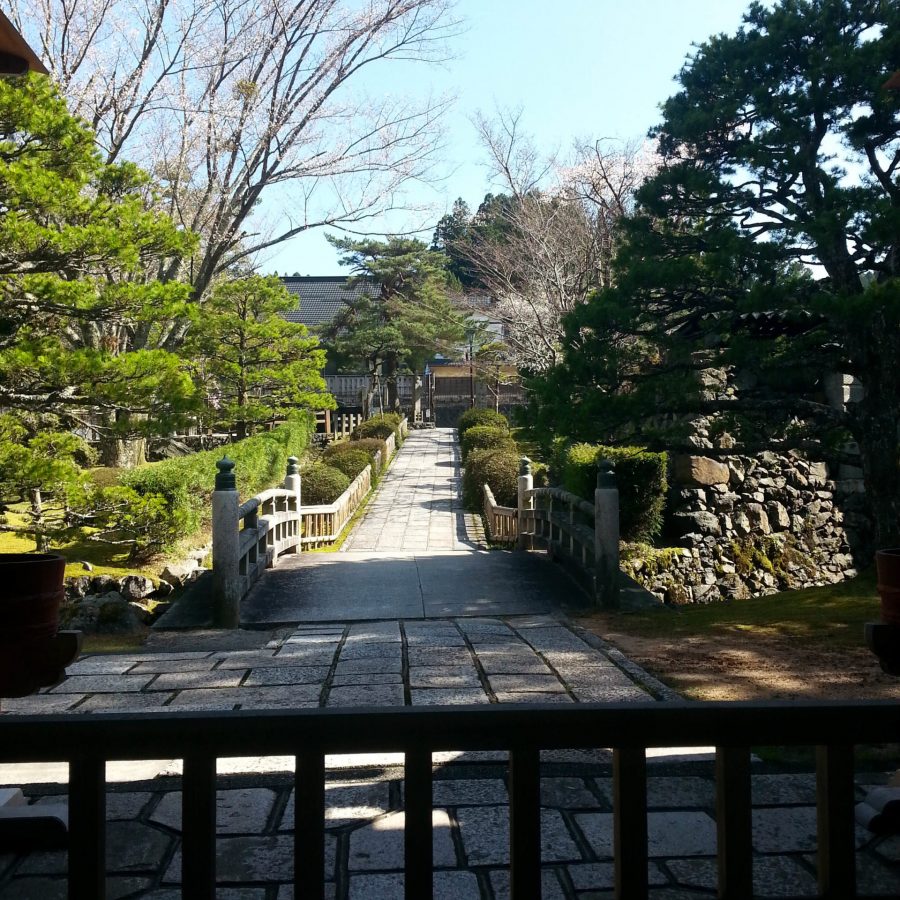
[(350, 462), (370, 445), (322, 484), (472, 417), (641, 479), (499, 469), (185, 484), (766, 169), (484, 437)]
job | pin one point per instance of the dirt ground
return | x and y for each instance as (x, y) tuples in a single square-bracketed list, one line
[(736, 666)]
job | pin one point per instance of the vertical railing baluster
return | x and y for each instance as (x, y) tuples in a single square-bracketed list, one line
[(835, 822), (525, 824), (734, 823), (417, 835), (198, 827), (309, 825), (87, 828), (630, 822)]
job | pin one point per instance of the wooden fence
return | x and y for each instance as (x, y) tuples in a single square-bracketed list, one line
[(200, 738)]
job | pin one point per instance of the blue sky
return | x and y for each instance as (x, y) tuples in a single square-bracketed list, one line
[(579, 68)]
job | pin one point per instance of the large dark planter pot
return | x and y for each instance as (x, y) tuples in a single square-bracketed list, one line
[(887, 565), (31, 591)]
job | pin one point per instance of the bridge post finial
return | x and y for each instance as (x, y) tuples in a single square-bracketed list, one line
[(606, 475), (225, 477), (524, 466), (293, 466)]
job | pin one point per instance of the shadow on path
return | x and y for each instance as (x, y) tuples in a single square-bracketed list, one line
[(361, 586)]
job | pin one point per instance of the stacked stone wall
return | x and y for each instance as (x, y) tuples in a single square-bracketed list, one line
[(748, 526)]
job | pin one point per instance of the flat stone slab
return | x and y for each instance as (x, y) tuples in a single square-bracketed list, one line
[(268, 675), (668, 833), (379, 845), (239, 811), (485, 836), (347, 803)]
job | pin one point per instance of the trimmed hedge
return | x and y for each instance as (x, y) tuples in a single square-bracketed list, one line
[(351, 462), (372, 429), (499, 469), (641, 478), (368, 445), (185, 484), (474, 417), (484, 437), (322, 484), (378, 426)]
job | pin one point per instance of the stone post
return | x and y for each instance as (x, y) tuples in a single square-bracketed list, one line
[(292, 477), (292, 483), (226, 579), (606, 535), (526, 503)]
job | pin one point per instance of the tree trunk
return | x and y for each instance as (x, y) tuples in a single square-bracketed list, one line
[(390, 374), (41, 541), (123, 453)]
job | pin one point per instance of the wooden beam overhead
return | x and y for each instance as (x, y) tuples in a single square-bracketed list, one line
[(16, 57)]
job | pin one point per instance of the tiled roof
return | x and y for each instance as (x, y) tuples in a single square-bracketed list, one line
[(320, 297)]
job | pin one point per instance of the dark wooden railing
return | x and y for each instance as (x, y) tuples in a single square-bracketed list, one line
[(199, 738)]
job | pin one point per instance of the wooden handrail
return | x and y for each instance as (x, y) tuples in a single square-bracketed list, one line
[(200, 738)]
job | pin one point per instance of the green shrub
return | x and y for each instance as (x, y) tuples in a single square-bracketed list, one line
[(641, 478), (351, 462), (499, 469), (369, 445), (185, 484), (373, 428), (485, 437), (472, 417), (322, 484)]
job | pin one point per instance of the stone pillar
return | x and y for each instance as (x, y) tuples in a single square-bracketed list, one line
[(526, 503), (292, 483), (292, 477), (226, 578), (606, 535)]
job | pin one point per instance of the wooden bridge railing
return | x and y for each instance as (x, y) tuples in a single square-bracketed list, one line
[(323, 524), (502, 521), (249, 537), (87, 742), (582, 536)]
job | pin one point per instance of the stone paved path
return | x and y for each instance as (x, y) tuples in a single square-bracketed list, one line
[(501, 640), (417, 507), (414, 554)]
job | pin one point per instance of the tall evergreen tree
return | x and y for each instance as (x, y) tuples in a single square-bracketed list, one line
[(76, 245), (252, 365), (767, 246), (405, 318)]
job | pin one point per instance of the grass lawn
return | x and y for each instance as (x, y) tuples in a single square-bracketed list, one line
[(797, 644), (104, 559), (833, 615)]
